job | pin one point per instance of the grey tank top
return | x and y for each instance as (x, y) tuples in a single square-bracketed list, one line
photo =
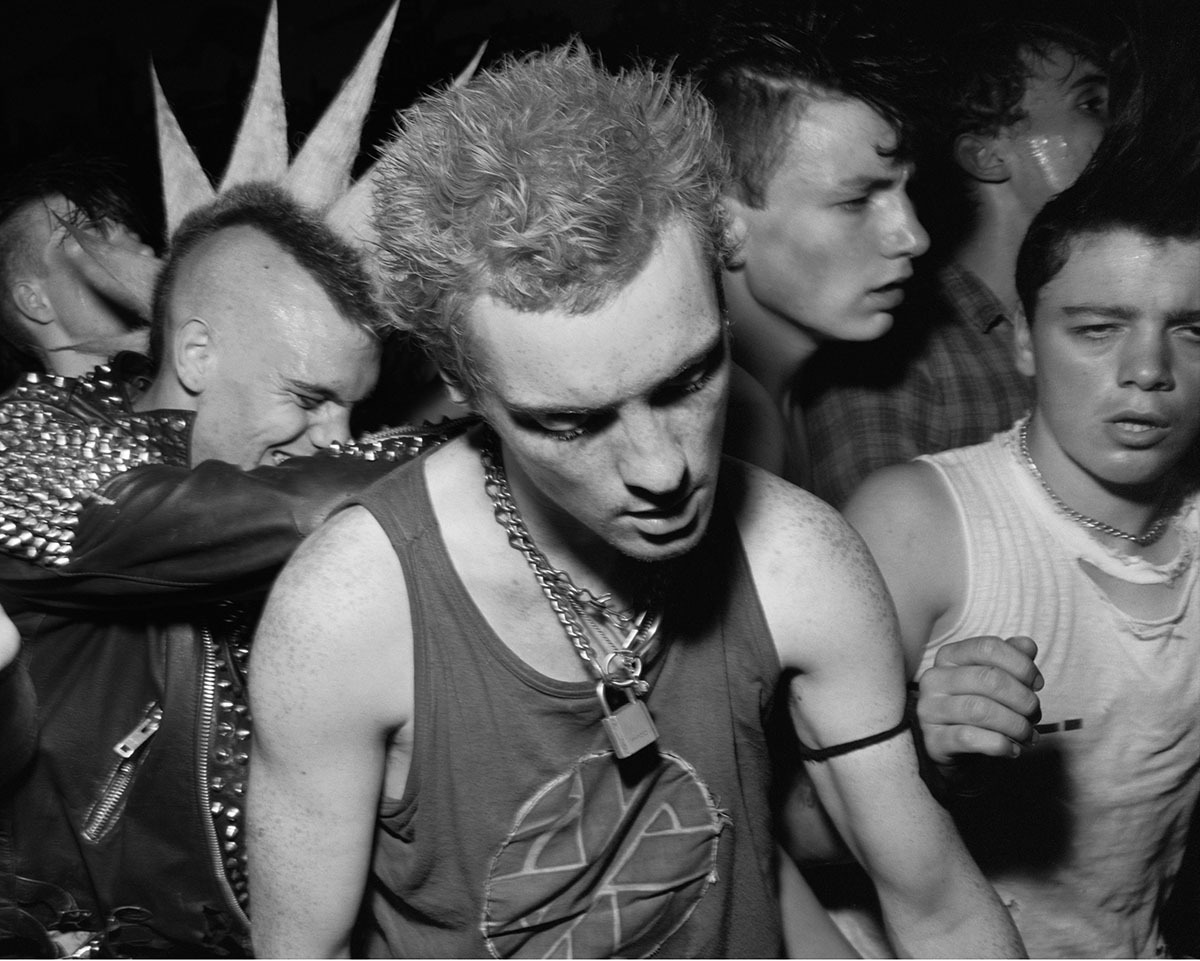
[(520, 835)]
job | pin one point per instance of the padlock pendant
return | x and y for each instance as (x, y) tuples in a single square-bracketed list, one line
[(630, 727)]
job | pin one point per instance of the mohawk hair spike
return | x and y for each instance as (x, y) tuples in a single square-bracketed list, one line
[(350, 215), (321, 171), (469, 70), (260, 151), (185, 185)]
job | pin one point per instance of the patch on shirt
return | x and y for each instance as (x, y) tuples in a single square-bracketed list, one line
[(600, 865)]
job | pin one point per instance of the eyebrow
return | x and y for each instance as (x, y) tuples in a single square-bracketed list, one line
[(1115, 311), (868, 184), (705, 355), (1121, 312), (1090, 79)]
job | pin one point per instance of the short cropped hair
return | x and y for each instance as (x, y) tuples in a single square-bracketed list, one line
[(544, 183), (990, 64), (1144, 178), (96, 192), (762, 70), (334, 264)]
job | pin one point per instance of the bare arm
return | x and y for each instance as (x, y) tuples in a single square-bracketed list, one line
[(979, 697), (331, 688), (839, 634), (808, 930)]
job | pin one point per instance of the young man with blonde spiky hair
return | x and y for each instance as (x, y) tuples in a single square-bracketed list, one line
[(512, 702)]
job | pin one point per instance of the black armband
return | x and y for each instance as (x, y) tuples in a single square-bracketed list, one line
[(825, 753)]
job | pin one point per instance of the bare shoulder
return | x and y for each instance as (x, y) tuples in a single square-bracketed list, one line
[(339, 566), (910, 522), (815, 579), (777, 519), (337, 619), (907, 494)]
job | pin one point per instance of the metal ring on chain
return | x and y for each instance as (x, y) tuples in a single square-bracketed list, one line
[(631, 666)]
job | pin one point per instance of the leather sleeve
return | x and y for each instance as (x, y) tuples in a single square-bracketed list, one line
[(18, 719), (168, 536)]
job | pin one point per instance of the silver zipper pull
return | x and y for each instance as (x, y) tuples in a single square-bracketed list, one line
[(140, 734)]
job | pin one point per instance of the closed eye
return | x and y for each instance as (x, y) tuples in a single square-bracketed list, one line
[(695, 377), (854, 204), (691, 383), (564, 425), (1095, 331), (1093, 100)]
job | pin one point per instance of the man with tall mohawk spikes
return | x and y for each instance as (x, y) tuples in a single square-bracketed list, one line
[(143, 518)]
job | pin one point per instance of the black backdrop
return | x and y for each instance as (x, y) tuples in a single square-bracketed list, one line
[(74, 74)]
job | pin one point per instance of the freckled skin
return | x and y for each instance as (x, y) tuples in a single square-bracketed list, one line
[(635, 478)]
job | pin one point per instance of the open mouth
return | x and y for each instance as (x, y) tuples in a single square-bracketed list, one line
[(1139, 430), (887, 296), (1138, 421)]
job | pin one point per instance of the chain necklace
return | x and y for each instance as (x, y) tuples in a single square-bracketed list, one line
[(1155, 531), (571, 604)]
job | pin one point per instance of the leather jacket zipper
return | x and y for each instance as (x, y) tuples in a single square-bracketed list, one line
[(103, 815)]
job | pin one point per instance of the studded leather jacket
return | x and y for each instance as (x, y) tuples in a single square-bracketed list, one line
[(136, 592)]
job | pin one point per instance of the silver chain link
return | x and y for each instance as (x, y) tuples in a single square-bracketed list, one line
[(1156, 530), (564, 595)]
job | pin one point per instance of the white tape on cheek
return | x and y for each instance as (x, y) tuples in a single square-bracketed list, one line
[(1056, 160)]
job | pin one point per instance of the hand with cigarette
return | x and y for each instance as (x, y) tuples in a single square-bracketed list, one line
[(980, 697)]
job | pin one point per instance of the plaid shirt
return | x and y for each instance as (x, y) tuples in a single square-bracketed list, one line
[(925, 387)]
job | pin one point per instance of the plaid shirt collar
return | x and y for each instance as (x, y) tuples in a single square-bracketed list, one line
[(972, 297)]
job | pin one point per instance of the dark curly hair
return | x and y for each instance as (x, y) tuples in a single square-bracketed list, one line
[(989, 65)]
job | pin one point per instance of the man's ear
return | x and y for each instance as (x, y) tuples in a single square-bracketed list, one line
[(737, 227), (1023, 354), (31, 300), (193, 353), (982, 157), (458, 393)]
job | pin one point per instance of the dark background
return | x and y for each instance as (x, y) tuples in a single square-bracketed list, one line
[(75, 75)]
